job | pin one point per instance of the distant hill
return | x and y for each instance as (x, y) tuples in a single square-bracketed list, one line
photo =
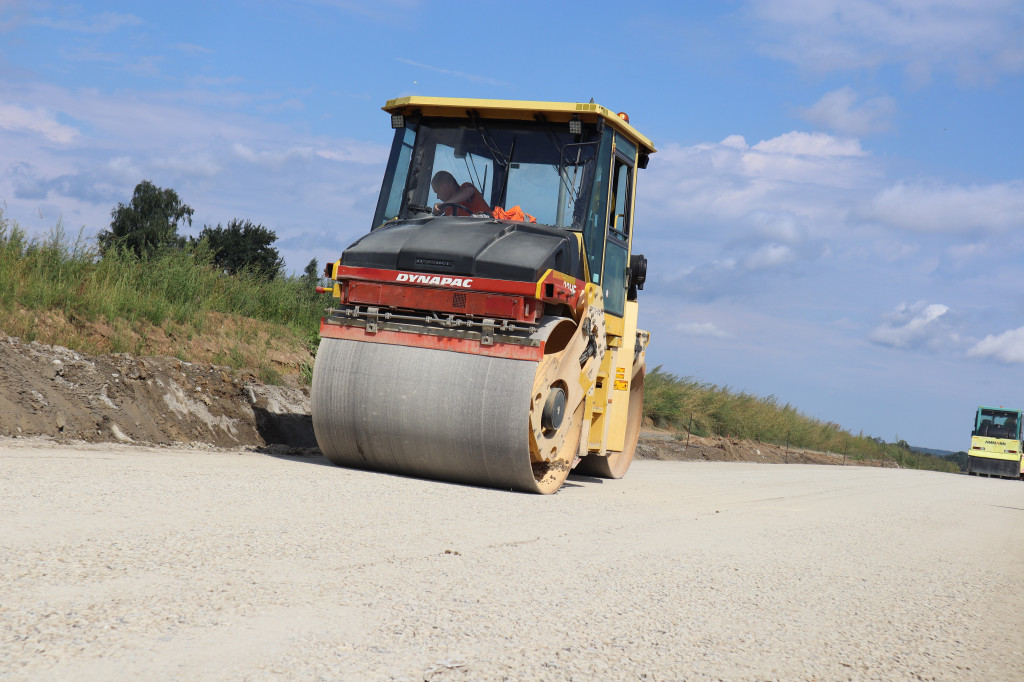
[(958, 458), (931, 451)]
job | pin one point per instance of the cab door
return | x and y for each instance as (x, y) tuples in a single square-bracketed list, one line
[(617, 233)]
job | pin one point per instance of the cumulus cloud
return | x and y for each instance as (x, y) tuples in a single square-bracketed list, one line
[(270, 157), (770, 256), (223, 162), (36, 120), (1007, 347), (782, 176), (941, 207), (840, 111), (788, 190), (355, 152), (977, 40), (809, 145), (701, 329), (739, 215), (912, 326), (99, 183)]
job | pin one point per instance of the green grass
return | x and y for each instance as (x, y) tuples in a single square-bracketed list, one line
[(174, 288), (704, 409)]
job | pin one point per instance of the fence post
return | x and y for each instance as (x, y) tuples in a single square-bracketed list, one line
[(689, 430), (786, 457), (846, 445)]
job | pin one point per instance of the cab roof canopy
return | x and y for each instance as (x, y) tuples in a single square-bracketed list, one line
[(456, 107)]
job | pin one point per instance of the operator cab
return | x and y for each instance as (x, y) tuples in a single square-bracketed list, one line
[(993, 423), (567, 168)]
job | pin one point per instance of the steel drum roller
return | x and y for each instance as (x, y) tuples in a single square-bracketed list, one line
[(423, 412)]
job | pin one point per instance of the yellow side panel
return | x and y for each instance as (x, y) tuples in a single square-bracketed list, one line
[(598, 438), (995, 448), (616, 325), (622, 373)]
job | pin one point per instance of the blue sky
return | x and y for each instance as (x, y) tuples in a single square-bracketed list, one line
[(835, 215)]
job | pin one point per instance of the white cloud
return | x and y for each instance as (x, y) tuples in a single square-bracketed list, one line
[(701, 329), (912, 326), (810, 145), (270, 157), (106, 22), (969, 251), (976, 40), (796, 157), (355, 152), (791, 187), (739, 215), (770, 256), (220, 158), (36, 120), (838, 110), (938, 207), (1007, 347), (778, 227)]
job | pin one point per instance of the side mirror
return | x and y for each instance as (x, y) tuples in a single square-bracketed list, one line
[(637, 274)]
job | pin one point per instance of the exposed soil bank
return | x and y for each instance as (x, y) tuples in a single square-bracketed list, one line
[(66, 395), (55, 392)]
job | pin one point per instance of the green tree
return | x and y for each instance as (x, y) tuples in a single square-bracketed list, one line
[(243, 245), (148, 222), (311, 275)]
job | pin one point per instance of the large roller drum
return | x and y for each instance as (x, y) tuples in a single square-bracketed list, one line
[(446, 415)]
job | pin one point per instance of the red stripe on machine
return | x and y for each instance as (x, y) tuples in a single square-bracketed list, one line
[(497, 286)]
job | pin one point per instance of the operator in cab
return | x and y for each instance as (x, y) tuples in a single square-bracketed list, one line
[(449, 191)]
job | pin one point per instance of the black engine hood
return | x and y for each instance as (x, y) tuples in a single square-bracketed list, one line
[(494, 249)]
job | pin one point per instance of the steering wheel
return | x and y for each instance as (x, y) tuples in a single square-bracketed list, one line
[(453, 205)]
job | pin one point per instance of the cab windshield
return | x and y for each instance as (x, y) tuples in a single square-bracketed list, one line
[(538, 166), (998, 424)]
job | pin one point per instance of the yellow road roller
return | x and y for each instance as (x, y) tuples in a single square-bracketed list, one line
[(484, 331)]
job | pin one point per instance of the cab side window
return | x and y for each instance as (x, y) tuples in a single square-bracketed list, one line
[(616, 258), (618, 216)]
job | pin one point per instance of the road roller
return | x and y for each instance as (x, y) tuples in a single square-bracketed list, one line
[(484, 331)]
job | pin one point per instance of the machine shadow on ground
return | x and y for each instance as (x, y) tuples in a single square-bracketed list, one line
[(290, 437)]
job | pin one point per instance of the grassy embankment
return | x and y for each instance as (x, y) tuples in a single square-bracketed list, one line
[(677, 402), (59, 291)]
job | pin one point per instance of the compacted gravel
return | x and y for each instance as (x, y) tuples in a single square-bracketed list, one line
[(121, 562)]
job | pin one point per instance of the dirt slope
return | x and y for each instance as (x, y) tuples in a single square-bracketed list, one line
[(66, 395), (60, 393)]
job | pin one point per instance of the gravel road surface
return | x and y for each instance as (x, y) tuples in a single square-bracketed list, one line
[(121, 562)]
